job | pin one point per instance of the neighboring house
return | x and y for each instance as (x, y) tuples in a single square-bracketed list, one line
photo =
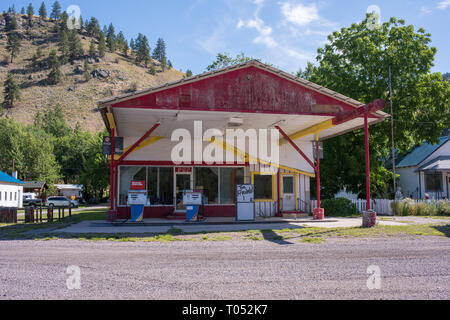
[(426, 170), (39, 188), (11, 191), (70, 190)]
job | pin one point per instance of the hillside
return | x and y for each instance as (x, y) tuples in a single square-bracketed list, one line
[(78, 97)]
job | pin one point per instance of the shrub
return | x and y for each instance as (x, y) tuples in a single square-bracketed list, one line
[(409, 207), (339, 207)]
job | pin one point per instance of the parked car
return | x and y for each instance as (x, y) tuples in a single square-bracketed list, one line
[(93, 201), (31, 202), (61, 202)]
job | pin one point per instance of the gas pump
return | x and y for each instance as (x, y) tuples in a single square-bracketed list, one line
[(137, 199), (193, 201)]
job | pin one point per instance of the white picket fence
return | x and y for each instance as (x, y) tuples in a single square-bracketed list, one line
[(381, 206)]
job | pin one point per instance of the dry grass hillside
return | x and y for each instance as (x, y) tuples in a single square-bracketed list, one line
[(76, 95)]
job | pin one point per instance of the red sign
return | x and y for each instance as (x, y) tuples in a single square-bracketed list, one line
[(183, 170), (137, 185)]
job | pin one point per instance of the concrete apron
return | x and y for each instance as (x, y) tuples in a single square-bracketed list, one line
[(101, 227)]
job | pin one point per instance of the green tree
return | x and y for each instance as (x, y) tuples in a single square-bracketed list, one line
[(356, 63), (101, 45), (94, 174), (188, 73), (92, 49), (142, 50), (56, 11), (75, 46), (93, 28), (11, 92), (55, 75), (13, 45), (224, 60), (159, 53), (31, 149), (43, 11), (87, 76), (30, 13), (169, 64), (63, 46), (10, 23)]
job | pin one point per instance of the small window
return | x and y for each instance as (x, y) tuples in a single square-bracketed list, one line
[(433, 182), (263, 187)]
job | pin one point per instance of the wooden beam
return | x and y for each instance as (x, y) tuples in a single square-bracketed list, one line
[(149, 141), (248, 158), (372, 107), (296, 147), (145, 136), (309, 131)]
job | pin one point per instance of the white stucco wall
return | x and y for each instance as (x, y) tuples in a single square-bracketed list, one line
[(6, 191)]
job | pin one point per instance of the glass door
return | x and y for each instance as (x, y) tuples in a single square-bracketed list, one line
[(183, 182), (289, 193)]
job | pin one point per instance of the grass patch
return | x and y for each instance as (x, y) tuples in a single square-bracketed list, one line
[(312, 240)]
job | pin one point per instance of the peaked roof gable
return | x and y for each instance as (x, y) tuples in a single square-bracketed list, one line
[(7, 178), (252, 86), (421, 153)]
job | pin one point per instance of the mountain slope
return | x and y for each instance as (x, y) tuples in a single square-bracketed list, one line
[(77, 96)]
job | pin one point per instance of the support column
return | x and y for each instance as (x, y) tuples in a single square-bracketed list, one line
[(112, 213), (319, 213), (369, 216)]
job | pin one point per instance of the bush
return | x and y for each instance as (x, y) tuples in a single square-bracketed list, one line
[(409, 207), (339, 207)]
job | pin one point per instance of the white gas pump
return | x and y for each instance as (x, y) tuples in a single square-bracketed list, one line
[(193, 201), (137, 199)]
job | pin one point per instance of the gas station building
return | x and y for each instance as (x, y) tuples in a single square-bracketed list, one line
[(247, 96)]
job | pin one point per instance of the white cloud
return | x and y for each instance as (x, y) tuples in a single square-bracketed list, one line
[(300, 14), (444, 4), (425, 10)]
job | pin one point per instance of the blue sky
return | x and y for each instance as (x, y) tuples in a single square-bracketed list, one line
[(285, 33)]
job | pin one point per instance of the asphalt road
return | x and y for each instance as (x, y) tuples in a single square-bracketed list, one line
[(414, 268)]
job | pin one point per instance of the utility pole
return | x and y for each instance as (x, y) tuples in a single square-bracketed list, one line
[(392, 131)]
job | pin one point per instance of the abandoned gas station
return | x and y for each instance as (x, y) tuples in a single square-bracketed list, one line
[(247, 96)]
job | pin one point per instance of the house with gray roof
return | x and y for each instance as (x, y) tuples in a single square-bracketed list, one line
[(426, 171)]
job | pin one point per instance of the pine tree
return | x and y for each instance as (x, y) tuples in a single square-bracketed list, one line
[(13, 45), (22, 11), (188, 73), (11, 91), (63, 46), (43, 11), (152, 69), (92, 49), (111, 38), (169, 64), (142, 50), (101, 45), (55, 75), (93, 28), (87, 76), (125, 48), (75, 46), (11, 23), (30, 13), (81, 22), (160, 51), (56, 11), (121, 41), (132, 45), (62, 24)]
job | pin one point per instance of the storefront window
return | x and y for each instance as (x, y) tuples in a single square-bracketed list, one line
[(433, 182), (207, 179), (229, 178), (166, 186), (128, 174), (263, 187), (152, 185)]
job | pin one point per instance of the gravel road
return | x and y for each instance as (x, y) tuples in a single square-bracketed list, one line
[(411, 268)]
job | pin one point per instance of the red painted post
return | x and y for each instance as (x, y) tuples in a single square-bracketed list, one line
[(366, 128), (111, 191), (318, 175)]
